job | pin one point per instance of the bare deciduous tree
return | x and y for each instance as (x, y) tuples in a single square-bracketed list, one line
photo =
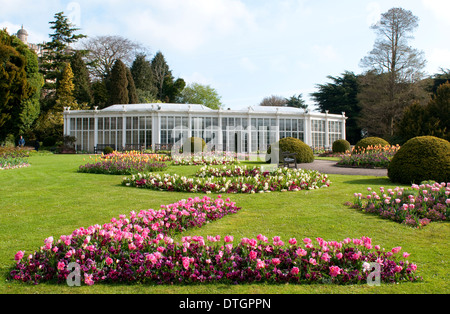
[(399, 66), (274, 101), (105, 50)]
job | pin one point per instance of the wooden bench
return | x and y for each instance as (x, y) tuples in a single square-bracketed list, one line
[(288, 159)]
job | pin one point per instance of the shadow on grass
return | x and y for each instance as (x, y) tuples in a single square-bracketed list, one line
[(371, 181)]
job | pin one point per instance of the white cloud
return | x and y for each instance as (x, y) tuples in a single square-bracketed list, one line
[(186, 25)]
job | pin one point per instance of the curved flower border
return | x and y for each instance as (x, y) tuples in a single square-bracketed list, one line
[(139, 250), (416, 206), (232, 180)]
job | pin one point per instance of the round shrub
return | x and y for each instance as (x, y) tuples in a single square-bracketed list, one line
[(341, 146), (370, 141), (191, 143), (108, 150), (304, 153), (420, 159)]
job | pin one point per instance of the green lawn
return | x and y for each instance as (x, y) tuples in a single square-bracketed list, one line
[(51, 199)]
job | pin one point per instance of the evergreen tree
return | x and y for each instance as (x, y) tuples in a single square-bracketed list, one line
[(167, 88), (15, 90), (82, 91), (141, 71), (118, 84), (341, 95), (65, 89), (57, 53), (100, 94), (132, 94)]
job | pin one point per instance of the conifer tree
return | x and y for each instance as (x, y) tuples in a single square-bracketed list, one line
[(118, 84), (57, 53), (14, 87), (81, 81), (132, 95)]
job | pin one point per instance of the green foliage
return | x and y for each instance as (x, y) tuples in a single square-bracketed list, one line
[(167, 88), (341, 95), (100, 94), (431, 119), (108, 150), (118, 84), (421, 158), (369, 141), (196, 93), (304, 153), (132, 94), (57, 54), (15, 89), (296, 102), (341, 146), (141, 71), (81, 80)]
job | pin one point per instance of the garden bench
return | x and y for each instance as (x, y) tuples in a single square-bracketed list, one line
[(288, 159)]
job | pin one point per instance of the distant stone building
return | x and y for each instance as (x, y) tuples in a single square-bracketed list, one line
[(22, 34)]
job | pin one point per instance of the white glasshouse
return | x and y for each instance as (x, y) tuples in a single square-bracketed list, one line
[(159, 126)]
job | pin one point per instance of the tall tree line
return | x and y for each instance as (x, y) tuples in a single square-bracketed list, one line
[(392, 90)]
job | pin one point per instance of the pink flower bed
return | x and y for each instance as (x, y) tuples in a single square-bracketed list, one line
[(140, 249), (416, 206)]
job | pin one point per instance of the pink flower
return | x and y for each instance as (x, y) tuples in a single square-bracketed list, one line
[(61, 266), (335, 271), (109, 261), (292, 241), (339, 255), (88, 279), (413, 267), (406, 255), (276, 261), (260, 264), (307, 240), (301, 252), (186, 262), (295, 270), (398, 268), (312, 261), (253, 254), (228, 239), (396, 249)]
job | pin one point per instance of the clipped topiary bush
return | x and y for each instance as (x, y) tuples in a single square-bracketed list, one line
[(370, 141), (108, 150), (293, 145), (421, 158), (341, 146), (192, 144)]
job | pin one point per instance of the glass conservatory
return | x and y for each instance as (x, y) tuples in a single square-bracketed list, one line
[(153, 126)]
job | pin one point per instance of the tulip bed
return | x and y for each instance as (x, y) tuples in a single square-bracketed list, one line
[(125, 163), (214, 158), (232, 180), (13, 158), (372, 157), (140, 249), (416, 206)]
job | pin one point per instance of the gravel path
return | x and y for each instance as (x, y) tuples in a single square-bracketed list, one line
[(329, 167)]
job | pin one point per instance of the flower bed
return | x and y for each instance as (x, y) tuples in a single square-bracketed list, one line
[(139, 250), (415, 207), (224, 158), (125, 163), (372, 157), (280, 180), (13, 158)]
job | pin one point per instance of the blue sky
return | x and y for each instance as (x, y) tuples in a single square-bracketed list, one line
[(246, 49)]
